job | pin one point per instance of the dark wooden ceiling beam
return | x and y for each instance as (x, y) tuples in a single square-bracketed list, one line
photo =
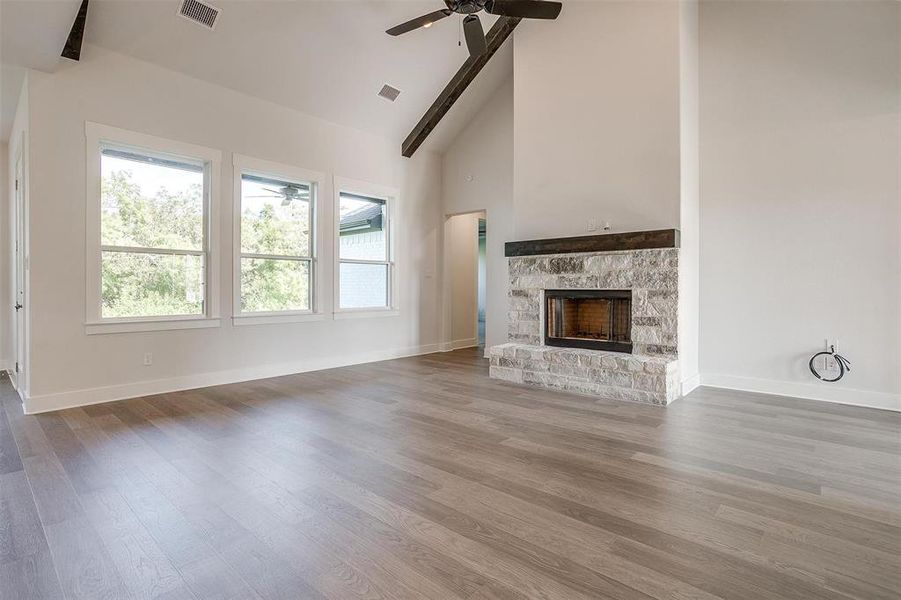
[(72, 49), (496, 36)]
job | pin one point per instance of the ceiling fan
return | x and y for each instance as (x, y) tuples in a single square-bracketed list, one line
[(288, 193), (472, 27)]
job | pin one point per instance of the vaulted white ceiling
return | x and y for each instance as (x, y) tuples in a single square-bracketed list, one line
[(328, 58), (32, 35)]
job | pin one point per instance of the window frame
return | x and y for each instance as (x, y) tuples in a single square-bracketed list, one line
[(255, 166), (97, 136), (390, 196)]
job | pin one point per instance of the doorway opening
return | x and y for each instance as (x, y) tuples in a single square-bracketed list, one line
[(465, 280), (482, 277)]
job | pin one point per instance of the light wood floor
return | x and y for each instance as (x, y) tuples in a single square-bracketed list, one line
[(422, 478)]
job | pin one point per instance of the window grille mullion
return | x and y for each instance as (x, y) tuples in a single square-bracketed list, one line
[(276, 256), (147, 250), (361, 261)]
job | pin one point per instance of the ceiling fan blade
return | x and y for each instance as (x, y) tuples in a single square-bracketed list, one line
[(72, 49), (423, 21), (475, 36), (526, 9)]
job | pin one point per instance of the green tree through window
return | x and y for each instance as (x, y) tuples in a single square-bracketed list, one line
[(276, 245), (152, 259)]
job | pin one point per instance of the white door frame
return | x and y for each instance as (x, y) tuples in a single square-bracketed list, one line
[(18, 370)]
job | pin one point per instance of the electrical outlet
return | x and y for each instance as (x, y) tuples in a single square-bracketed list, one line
[(148, 359), (829, 363)]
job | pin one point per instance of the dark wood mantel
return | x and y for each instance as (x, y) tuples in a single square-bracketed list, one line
[(609, 242)]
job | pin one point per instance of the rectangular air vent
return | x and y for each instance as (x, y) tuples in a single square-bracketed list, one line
[(199, 12), (389, 93)]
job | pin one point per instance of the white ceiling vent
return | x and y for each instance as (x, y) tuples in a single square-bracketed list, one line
[(199, 12), (389, 93)]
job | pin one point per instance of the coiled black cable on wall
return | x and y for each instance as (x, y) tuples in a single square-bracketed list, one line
[(843, 364)]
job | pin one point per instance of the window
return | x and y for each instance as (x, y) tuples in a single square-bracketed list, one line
[(365, 248), (276, 244), (149, 233)]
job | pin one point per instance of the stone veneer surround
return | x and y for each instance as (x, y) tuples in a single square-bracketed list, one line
[(649, 374)]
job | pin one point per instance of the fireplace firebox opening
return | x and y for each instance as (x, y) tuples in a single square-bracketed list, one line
[(594, 319)]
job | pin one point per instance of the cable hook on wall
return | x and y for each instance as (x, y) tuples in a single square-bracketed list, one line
[(843, 364)]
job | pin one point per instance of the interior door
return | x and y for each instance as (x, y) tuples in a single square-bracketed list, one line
[(18, 371)]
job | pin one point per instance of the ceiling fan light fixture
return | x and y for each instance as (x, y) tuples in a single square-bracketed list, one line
[(481, 48), (523, 9)]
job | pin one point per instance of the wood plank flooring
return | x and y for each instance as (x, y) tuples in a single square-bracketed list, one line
[(423, 478)]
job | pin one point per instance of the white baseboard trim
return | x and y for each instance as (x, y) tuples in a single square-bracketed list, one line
[(458, 345), (85, 397), (807, 391), (690, 384), (467, 343)]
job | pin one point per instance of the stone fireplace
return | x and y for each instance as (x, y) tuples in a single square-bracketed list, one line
[(594, 315)]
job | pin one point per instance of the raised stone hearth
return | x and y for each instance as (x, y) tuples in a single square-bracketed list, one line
[(649, 374), (650, 379)]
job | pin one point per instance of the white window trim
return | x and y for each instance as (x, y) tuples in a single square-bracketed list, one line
[(382, 192), (365, 313), (271, 319), (259, 166), (95, 135), (151, 324)]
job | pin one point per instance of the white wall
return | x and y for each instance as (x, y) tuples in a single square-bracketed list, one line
[(462, 245), (70, 367), (690, 200), (596, 125), (800, 211), (477, 174)]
